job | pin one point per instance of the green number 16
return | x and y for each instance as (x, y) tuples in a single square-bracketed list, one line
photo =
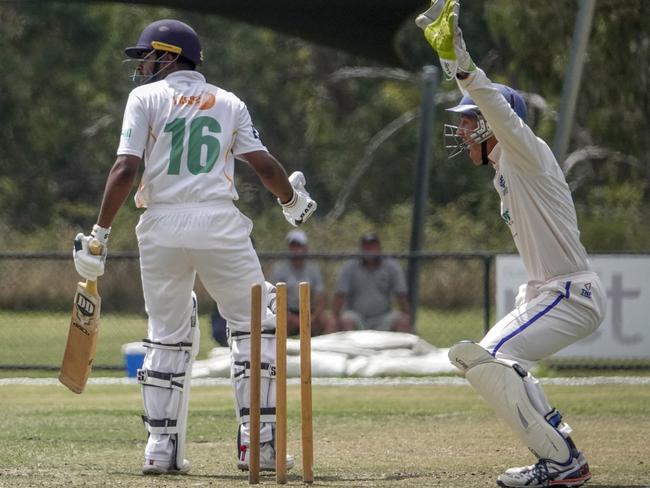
[(198, 138)]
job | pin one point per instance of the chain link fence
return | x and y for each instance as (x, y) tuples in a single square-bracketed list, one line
[(455, 301)]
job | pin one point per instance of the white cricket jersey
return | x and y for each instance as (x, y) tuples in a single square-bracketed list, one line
[(536, 201), (188, 133)]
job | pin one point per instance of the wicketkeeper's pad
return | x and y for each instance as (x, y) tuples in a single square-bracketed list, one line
[(504, 386)]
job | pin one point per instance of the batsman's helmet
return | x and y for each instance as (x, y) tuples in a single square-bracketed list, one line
[(171, 36), (456, 144)]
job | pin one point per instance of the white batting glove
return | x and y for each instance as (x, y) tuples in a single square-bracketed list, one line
[(301, 206), (89, 252), (440, 26), (271, 296)]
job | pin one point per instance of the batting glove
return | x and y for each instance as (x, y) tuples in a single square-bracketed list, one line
[(89, 252), (271, 296), (440, 25), (301, 206)]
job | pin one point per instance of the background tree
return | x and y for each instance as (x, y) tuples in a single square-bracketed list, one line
[(64, 87)]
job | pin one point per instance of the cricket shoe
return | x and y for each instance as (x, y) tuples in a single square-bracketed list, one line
[(267, 458), (151, 466), (547, 473), (432, 13)]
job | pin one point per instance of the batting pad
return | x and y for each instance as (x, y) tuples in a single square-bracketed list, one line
[(166, 377), (240, 377), (501, 383)]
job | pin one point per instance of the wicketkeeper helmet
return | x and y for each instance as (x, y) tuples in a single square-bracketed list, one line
[(171, 36), (467, 106), (456, 144)]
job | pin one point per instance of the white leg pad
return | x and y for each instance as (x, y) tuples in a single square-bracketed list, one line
[(185, 402), (240, 377), (166, 377), (505, 386)]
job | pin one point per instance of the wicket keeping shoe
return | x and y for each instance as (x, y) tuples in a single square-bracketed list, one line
[(547, 473), (151, 466), (267, 458)]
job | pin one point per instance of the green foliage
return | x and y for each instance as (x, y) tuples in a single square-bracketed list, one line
[(614, 102), (64, 87), (616, 217)]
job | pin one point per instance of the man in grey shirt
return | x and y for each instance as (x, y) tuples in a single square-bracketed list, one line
[(364, 292), (294, 270)]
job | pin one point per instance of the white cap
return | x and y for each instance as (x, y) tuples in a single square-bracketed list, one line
[(297, 236)]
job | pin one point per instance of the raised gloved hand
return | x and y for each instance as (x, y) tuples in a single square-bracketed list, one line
[(89, 252), (301, 206), (440, 26)]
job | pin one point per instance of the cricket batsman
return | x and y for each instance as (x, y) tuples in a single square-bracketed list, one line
[(563, 300), (186, 133)]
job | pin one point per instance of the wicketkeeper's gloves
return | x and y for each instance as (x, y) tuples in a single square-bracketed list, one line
[(440, 26)]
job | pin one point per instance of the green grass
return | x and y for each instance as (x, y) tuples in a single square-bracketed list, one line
[(443, 328), (38, 338), (389, 436)]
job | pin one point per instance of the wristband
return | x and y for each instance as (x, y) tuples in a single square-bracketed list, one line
[(291, 202), (101, 233)]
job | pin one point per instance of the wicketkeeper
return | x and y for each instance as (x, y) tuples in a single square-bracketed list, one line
[(188, 133), (563, 300)]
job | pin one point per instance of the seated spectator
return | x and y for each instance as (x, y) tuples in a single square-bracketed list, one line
[(294, 270), (365, 289), (219, 328)]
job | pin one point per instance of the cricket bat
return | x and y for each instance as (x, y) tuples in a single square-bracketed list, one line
[(82, 335)]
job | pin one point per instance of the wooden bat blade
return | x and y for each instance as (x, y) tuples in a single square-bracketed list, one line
[(82, 337)]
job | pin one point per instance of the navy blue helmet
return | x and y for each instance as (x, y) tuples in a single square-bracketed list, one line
[(467, 106), (171, 36)]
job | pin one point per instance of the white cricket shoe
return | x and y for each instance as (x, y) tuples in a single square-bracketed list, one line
[(267, 458), (547, 473), (151, 466), (425, 18)]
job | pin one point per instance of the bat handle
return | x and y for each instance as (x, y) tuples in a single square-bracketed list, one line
[(91, 287), (95, 247)]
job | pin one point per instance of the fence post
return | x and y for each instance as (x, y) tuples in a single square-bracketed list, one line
[(572, 78), (422, 172)]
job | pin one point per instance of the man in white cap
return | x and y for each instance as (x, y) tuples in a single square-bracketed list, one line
[(294, 270)]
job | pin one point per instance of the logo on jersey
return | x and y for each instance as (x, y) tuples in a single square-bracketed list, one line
[(507, 217), (502, 184), (586, 291), (204, 101), (256, 134), (126, 133)]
